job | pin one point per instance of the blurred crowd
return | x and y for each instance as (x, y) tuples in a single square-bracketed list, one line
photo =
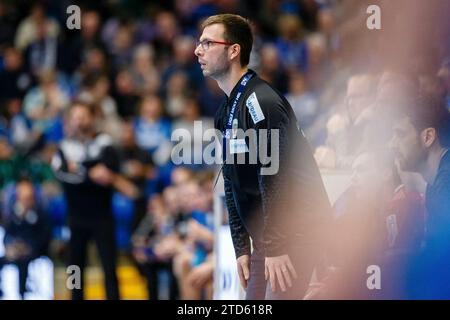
[(132, 64)]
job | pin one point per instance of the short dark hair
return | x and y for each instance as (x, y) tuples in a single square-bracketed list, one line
[(237, 30), (92, 108), (429, 111)]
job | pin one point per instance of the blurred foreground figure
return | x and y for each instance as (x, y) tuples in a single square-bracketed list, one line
[(378, 222), (420, 141)]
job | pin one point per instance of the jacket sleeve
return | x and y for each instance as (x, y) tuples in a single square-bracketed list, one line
[(273, 175), (239, 234)]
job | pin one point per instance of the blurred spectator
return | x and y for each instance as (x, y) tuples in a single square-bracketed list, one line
[(191, 130), (43, 54), (152, 131), (122, 47), (88, 38), (28, 29), (143, 70), (347, 130), (27, 232), (94, 63), (271, 68), (290, 45), (318, 66), (126, 95), (304, 103), (44, 105), (96, 89), (137, 166), (326, 21), (194, 263), (14, 80), (166, 30), (157, 225), (177, 88), (183, 60)]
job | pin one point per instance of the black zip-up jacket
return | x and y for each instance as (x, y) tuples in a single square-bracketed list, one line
[(289, 208)]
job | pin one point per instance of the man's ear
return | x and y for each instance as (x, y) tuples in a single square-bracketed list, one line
[(234, 51), (428, 137)]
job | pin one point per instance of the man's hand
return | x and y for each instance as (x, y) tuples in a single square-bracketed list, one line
[(100, 174), (279, 269), (243, 266)]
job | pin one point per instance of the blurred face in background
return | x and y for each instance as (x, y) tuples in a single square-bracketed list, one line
[(183, 49), (90, 22), (359, 95), (5, 149), (188, 196), (95, 60), (81, 120), (143, 57), (191, 110), (12, 59), (25, 195), (101, 88), (213, 61), (124, 83), (297, 83), (127, 134), (407, 146), (151, 108), (123, 39), (269, 58), (166, 26), (177, 84), (171, 199)]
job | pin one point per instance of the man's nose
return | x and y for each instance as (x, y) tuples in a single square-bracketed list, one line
[(197, 51)]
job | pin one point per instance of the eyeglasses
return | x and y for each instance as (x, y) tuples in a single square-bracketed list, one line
[(207, 43)]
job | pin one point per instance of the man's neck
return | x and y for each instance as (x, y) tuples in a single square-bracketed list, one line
[(229, 80), (430, 168)]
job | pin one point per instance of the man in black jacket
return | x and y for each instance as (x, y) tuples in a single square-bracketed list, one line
[(88, 166), (274, 192)]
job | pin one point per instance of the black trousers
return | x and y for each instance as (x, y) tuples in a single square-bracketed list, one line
[(103, 233)]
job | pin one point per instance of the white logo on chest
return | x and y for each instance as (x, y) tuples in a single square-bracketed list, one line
[(254, 108)]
